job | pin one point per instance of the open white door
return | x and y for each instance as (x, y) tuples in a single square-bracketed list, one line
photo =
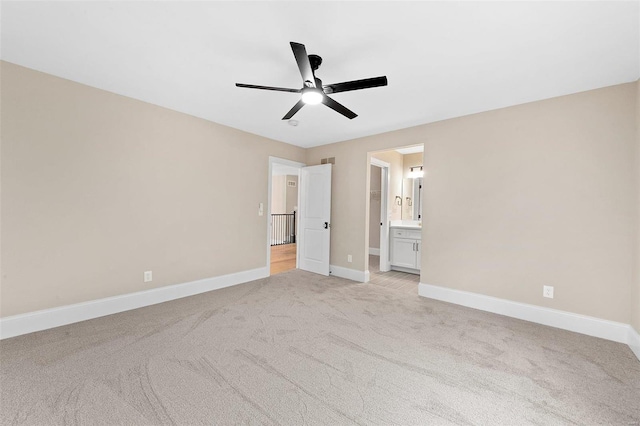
[(315, 218)]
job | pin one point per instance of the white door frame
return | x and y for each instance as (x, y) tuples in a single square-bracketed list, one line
[(385, 264), (284, 162)]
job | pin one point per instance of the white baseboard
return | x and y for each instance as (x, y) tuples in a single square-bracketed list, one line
[(55, 317), (403, 269), (350, 274), (610, 330), (634, 342), (374, 251)]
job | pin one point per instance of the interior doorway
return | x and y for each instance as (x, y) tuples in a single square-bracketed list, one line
[(299, 217), (283, 215), (395, 218)]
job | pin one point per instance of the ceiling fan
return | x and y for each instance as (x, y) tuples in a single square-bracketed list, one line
[(313, 91)]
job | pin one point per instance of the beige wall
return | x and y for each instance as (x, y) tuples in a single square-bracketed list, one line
[(283, 197), (292, 194), (97, 188), (278, 194), (541, 193), (635, 299)]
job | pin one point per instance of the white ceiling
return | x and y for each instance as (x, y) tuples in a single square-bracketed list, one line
[(442, 59)]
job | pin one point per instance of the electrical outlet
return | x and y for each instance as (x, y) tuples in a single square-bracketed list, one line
[(260, 209), (547, 291), (148, 276), (349, 258)]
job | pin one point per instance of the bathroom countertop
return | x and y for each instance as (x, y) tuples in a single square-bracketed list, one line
[(406, 226)]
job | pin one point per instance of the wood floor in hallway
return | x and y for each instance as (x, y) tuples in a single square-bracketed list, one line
[(283, 258)]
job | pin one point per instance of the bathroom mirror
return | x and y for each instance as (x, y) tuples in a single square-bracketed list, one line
[(412, 199)]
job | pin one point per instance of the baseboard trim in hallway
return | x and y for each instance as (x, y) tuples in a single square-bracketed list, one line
[(30, 322), (591, 326)]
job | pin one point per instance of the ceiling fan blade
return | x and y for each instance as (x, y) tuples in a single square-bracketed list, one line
[(300, 52), (338, 107), (279, 89), (355, 85), (293, 110)]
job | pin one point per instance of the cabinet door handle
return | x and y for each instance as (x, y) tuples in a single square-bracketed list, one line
[(413, 247)]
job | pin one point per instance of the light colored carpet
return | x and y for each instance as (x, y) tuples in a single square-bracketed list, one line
[(299, 348)]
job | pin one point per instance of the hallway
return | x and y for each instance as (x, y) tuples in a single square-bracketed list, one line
[(283, 258)]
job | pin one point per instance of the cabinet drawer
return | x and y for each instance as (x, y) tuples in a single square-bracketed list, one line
[(407, 233)]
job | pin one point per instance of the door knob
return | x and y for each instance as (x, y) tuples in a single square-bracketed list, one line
[(326, 225)]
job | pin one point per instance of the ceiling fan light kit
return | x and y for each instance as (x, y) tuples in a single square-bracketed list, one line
[(311, 96), (313, 91)]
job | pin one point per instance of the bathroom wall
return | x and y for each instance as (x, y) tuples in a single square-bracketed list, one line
[(411, 160)]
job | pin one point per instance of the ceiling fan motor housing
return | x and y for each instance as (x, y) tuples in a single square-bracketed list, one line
[(315, 61)]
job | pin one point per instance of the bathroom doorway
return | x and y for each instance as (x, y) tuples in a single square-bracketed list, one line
[(394, 249)]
